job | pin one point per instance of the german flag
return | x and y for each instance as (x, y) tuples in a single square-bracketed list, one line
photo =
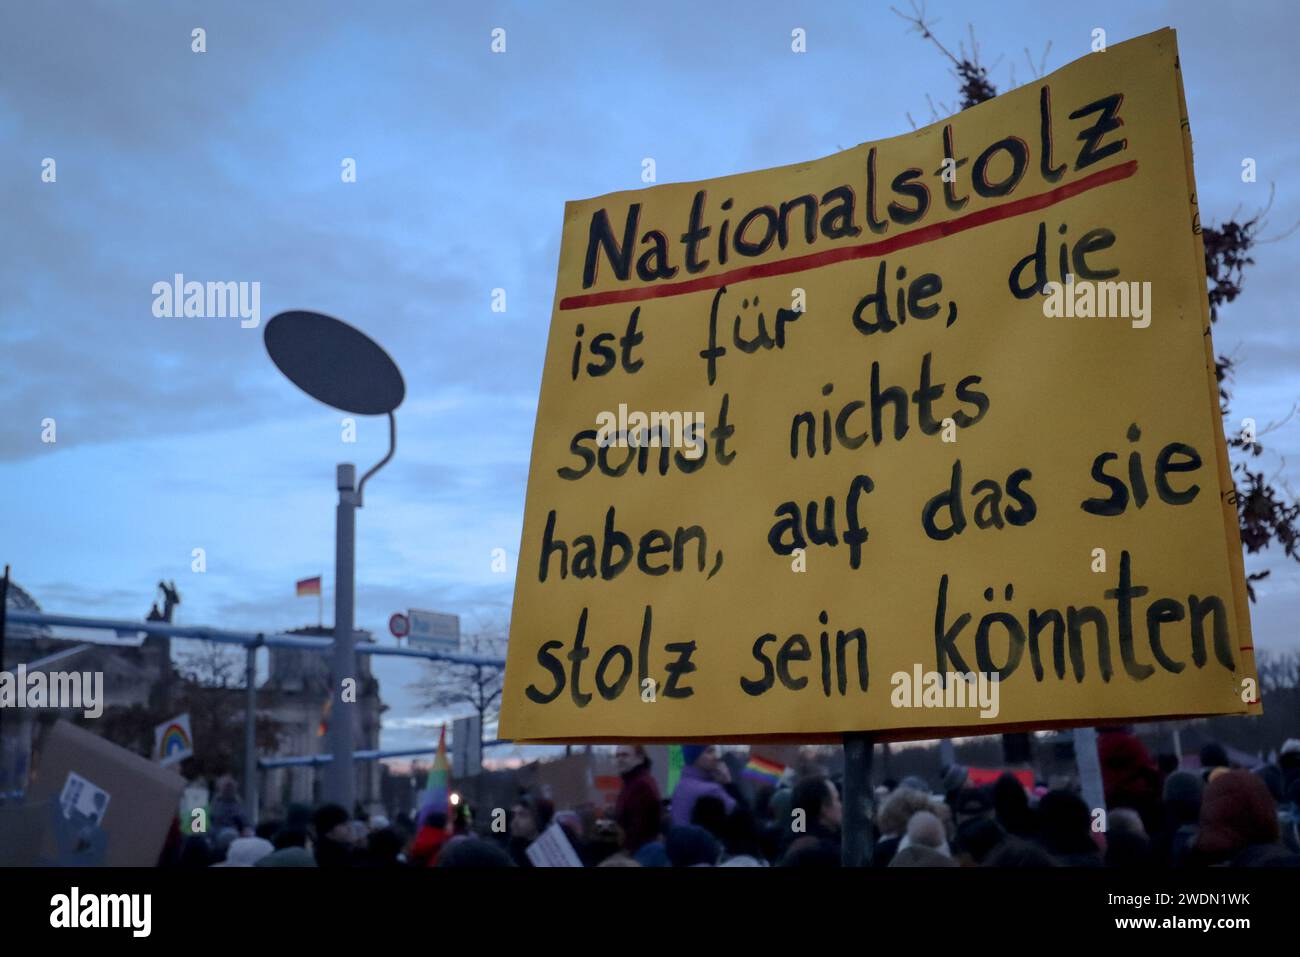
[(323, 727)]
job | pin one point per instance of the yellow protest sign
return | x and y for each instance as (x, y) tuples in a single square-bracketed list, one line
[(919, 436)]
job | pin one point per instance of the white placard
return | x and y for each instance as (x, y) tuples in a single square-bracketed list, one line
[(553, 849)]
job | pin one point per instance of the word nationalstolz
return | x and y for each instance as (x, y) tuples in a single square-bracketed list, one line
[(835, 214)]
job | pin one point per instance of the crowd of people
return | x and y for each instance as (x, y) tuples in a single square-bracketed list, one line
[(1155, 817)]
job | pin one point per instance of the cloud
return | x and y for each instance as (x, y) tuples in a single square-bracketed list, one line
[(179, 433)]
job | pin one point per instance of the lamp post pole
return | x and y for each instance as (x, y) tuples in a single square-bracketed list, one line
[(250, 731), (857, 843), (342, 367), (340, 778)]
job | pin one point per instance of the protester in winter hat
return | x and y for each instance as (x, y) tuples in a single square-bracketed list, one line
[(246, 851), (1180, 810), (976, 840), (225, 809), (268, 828), (711, 814), (1128, 773), (778, 806), (969, 804), (743, 860), (955, 777), (223, 840), (899, 808), (892, 821), (1213, 755), (1011, 806), (1066, 829), (290, 850), (926, 830), (528, 818), (1182, 794), (298, 815), (606, 841), (653, 854), (690, 846), (473, 852), (288, 857), (383, 849), (1127, 844), (741, 834), (817, 807), (198, 851), (924, 844), (699, 777), (331, 825), (621, 859), (532, 815), (1014, 852), (1288, 759), (1239, 824)]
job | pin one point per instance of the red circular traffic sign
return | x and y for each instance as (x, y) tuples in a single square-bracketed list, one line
[(399, 625)]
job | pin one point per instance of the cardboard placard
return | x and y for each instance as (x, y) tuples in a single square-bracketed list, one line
[(941, 404), (138, 798)]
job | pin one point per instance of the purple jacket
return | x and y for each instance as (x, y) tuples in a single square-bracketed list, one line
[(692, 786)]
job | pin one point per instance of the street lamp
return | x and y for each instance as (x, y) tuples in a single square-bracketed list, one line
[(344, 368)]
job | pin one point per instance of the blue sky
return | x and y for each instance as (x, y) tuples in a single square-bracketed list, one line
[(179, 433)]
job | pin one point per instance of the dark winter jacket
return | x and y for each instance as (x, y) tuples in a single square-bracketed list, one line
[(639, 809)]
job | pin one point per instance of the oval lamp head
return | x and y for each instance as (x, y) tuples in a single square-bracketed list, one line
[(335, 363)]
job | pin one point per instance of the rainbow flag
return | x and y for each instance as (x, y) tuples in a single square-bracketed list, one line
[(173, 741), (308, 586), (437, 789), (763, 771)]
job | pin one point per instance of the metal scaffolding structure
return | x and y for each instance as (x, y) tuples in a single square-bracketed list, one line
[(250, 641)]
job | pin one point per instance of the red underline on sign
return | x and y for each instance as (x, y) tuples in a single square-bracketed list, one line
[(882, 247)]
